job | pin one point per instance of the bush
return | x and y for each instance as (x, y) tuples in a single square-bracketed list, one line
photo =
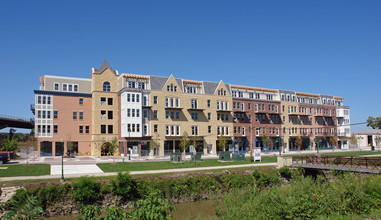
[(86, 190), (124, 186), (265, 179), (285, 172), (152, 207)]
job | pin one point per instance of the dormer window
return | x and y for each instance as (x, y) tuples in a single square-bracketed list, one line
[(106, 87)]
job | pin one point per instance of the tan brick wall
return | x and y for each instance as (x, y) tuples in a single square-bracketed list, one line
[(186, 122), (97, 92)]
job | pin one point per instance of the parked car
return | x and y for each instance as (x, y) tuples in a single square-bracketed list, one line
[(5, 156)]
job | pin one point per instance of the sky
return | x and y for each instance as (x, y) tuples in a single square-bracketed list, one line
[(322, 47)]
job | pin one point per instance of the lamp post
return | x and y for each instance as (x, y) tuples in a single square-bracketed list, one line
[(62, 170)]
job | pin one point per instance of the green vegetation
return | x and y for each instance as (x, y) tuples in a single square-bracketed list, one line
[(25, 170), (285, 172), (342, 154), (306, 198), (374, 122), (86, 190), (23, 207), (140, 166), (124, 187)]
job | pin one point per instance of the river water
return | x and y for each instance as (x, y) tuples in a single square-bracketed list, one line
[(186, 210)]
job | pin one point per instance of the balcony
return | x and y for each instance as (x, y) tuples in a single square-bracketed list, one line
[(173, 108), (33, 108), (223, 110), (195, 109)]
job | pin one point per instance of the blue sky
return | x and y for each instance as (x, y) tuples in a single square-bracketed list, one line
[(324, 47)]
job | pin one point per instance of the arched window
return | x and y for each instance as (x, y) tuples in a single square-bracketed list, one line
[(106, 87)]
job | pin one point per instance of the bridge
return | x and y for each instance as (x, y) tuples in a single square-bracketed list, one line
[(16, 122), (353, 164)]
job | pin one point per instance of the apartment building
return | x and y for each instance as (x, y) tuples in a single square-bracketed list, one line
[(147, 116), (343, 124)]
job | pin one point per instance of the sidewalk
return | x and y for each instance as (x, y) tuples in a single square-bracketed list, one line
[(134, 172), (116, 159)]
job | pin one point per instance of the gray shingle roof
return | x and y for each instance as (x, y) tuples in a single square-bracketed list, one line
[(180, 83), (210, 87), (103, 67), (228, 87), (157, 82), (369, 132)]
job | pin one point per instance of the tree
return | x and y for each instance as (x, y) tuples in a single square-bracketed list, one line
[(10, 144), (184, 142), (353, 139), (333, 141), (299, 142), (222, 142), (155, 141), (265, 140), (378, 140), (113, 145), (374, 123)]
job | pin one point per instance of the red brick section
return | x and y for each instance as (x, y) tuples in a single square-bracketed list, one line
[(264, 117)]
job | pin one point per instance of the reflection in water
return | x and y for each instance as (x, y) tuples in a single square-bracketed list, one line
[(186, 210)]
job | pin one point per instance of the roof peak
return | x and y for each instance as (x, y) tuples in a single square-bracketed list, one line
[(104, 65)]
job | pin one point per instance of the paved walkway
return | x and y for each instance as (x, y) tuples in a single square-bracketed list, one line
[(75, 169), (57, 176)]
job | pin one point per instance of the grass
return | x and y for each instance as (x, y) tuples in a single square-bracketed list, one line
[(141, 166), (25, 170)]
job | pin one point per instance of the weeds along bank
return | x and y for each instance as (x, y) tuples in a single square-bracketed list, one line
[(69, 198), (345, 196), (273, 194)]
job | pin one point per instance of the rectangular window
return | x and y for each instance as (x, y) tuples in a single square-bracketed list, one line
[(166, 114), (128, 97), (155, 114), (155, 100), (109, 115), (44, 100), (103, 101), (55, 129), (167, 130), (209, 129), (145, 113), (38, 99), (70, 87), (132, 97), (80, 115), (109, 101), (172, 115), (133, 112), (137, 127), (209, 115), (64, 87), (110, 129), (81, 129), (177, 115), (81, 101), (194, 103), (87, 129), (103, 129), (48, 114), (74, 115), (56, 86), (128, 112), (137, 97), (155, 128), (249, 106), (75, 88), (194, 130), (194, 115), (208, 102), (177, 130), (49, 100)]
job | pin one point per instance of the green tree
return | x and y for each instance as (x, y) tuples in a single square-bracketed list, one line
[(265, 140), (113, 145), (353, 139), (222, 142), (374, 122), (333, 141), (299, 142), (184, 142), (10, 144)]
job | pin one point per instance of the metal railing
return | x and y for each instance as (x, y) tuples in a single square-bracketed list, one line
[(347, 162), (16, 118)]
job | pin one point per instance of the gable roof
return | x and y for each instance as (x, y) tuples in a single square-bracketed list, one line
[(210, 87), (103, 67), (369, 132), (157, 82)]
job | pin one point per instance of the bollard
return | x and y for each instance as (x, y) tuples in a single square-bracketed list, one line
[(123, 160)]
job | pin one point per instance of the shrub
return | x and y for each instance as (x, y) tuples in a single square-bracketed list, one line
[(24, 206), (86, 190), (152, 207), (285, 172), (265, 179), (124, 186)]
